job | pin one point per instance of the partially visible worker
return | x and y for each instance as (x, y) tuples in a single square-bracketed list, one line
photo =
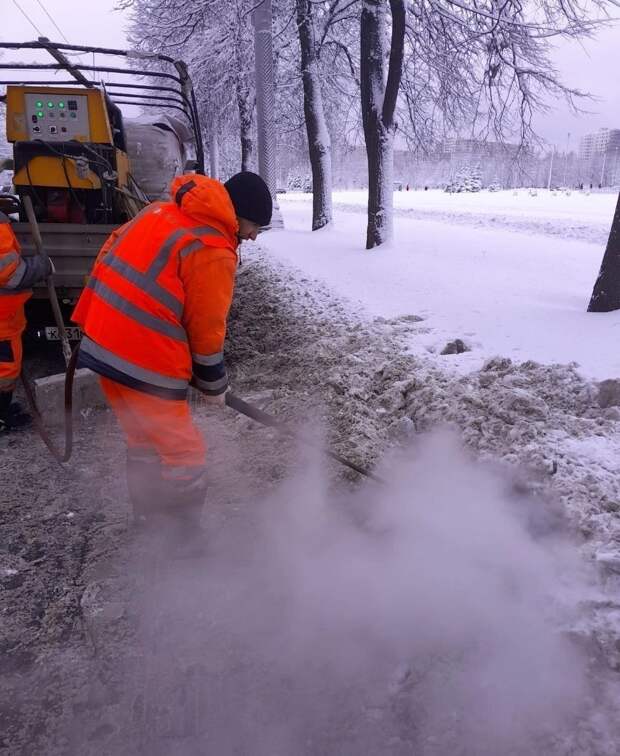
[(154, 320), (17, 276)]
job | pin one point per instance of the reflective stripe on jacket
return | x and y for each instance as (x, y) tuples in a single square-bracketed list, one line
[(12, 269), (154, 310)]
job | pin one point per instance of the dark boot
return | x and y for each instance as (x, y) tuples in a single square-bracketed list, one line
[(5, 402), (12, 415), (15, 408), (182, 516), (143, 484), (18, 417)]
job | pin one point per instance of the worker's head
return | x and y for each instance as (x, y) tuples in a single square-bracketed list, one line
[(252, 201)]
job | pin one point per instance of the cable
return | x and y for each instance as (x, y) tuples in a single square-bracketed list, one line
[(34, 191), (27, 17), (100, 158), (44, 9), (64, 168), (71, 189), (101, 161), (59, 455)]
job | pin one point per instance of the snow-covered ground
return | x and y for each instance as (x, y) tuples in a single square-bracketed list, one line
[(338, 344), (589, 207), (573, 215), (501, 292), (526, 393), (462, 608)]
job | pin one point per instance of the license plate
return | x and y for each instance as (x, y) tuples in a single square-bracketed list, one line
[(73, 333)]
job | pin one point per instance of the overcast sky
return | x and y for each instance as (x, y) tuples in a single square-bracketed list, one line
[(592, 66)]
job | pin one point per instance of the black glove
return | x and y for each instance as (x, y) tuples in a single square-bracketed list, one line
[(38, 268)]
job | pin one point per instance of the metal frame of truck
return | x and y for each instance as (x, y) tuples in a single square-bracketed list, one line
[(74, 246)]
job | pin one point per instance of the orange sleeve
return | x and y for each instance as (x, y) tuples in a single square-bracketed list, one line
[(208, 276)]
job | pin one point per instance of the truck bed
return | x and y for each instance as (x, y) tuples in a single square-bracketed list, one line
[(72, 247)]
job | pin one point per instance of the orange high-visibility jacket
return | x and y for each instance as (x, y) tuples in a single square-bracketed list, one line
[(17, 275), (155, 307)]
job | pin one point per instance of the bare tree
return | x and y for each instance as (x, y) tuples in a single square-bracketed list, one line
[(319, 143), (316, 49), (215, 38), (378, 98), (485, 65), (240, 33), (428, 68), (479, 65), (606, 293)]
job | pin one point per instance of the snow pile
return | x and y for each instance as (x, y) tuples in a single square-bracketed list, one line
[(542, 423)]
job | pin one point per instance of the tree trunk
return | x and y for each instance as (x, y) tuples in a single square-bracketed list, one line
[(319, 143), (606, 293), (246, 118), (378, 107), (214, 151), (380, 156), (246, 98)]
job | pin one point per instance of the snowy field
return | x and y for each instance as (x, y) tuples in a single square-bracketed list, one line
[(575, 215), (591, 207), (502, 292)]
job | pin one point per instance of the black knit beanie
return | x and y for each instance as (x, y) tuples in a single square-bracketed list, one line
[(251, 197)]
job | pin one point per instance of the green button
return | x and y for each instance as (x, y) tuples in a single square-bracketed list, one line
[(39, 104), (40, 114), (61, 104), (50, 104)]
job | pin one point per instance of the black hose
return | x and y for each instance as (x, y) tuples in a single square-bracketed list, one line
[(241, 406), (232, 401), (59, 456)]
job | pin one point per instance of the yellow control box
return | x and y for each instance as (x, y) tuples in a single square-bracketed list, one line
[(56, 114)]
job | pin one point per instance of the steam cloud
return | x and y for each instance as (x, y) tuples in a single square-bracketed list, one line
[(417, 618)]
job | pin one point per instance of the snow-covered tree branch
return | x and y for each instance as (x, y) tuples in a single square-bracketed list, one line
[(215, 38)]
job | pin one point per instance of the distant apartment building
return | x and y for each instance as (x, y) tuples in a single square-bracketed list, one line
[(458, 147), (602, 142)]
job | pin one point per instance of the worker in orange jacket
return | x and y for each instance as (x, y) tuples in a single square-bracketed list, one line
[(154, 320), (17, 276)]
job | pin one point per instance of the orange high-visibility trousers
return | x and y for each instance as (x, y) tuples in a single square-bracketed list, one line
[(10, 362), (163, 426)]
